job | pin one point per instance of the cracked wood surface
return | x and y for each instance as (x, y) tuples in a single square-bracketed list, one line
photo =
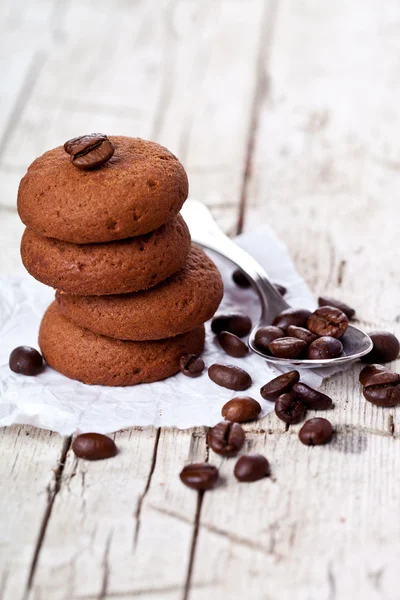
[(281, 113)]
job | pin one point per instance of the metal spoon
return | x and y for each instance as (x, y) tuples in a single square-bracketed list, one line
[(206, 233)]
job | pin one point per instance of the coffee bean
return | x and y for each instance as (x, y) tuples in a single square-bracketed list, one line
[(383, 389), (94, 446), (281, 289), (301, 333), (328, 320), (369, 371), (230, 377), (280, 385), (289, 409), (191, 365), (26, 361), (89, 151), (226, 438), (324, 347), (328, 301), (292, 316), (386, 347), (315, 432), (287, 347), (311, 398), (199, 476), (251, 467), (232, 344), (265, 335), (240, 325), (241, 279), (241, 409)]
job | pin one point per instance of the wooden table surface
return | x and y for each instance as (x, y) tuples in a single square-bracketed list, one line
[(282, 112)]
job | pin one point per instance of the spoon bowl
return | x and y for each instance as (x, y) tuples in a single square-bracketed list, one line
[(206, 233)]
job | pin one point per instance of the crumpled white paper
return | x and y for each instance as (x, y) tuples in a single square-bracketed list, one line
[(54, 402)]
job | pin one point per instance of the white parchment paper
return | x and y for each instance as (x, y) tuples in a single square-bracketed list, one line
[(52, 401)]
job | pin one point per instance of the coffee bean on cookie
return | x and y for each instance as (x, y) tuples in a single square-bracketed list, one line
[(140, 189), (89, 151)]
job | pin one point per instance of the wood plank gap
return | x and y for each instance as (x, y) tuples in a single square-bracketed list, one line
[(146, 489), (192, 555), (106, 568), (196, 527), (170, 44), (47, 514), (23, 97), (260, 92), (59, 12)]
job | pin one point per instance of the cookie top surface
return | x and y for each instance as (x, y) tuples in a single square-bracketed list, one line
[(95, 359), (178, 304), (109, 268), (139, 189)]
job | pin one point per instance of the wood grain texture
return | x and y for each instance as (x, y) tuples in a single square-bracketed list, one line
[(11, 232), (31, 463), (123, 522), (315, 530)]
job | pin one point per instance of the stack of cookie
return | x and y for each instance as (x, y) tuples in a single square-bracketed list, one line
[(103, 228)]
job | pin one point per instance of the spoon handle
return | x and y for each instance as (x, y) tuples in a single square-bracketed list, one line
[(206, 233)]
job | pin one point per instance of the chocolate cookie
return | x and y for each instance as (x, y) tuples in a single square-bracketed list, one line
[(95, 359), (139, 189), (110, 268), (178, 304)]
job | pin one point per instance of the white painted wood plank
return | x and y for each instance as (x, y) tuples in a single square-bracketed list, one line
[(325, 526), (27, 29), (11, 231), (208, 109), (109, 537), (28, 467), (326, 163)]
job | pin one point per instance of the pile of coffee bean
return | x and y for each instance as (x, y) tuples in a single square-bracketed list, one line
[(227, 439), (298, 333), (292, 398), (295, 333)]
